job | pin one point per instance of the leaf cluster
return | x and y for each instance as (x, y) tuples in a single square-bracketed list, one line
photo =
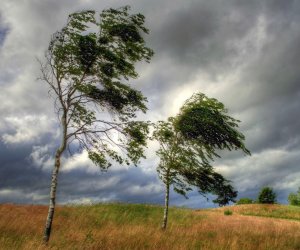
[(205, 121), (107, 57)]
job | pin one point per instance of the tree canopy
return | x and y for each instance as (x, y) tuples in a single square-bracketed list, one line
[(88, 65), (184, 164), (294, 198), (267, 196), (205, 121)]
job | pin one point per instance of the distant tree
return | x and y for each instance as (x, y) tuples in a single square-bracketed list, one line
[(244, 201), (266, 196), (88, 65), (294, 199), (187, 144)]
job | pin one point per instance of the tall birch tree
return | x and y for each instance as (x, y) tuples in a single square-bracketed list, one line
[(87, 68), (189, 142)]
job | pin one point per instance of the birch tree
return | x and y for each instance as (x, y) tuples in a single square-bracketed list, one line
[(87, 67), (188, 144)]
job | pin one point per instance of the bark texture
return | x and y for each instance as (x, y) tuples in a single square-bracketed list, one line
[(53, 186), (166, 209)]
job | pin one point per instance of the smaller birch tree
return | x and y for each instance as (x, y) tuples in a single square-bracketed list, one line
[(189, 142)]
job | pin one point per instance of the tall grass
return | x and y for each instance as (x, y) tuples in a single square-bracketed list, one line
[(128, 226)]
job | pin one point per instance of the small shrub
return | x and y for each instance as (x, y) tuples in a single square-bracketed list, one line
[(266, 196), (294, 199), (244, 201), (228, 212)]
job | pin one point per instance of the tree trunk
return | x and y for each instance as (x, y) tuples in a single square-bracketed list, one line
[(52, 197), (53, 186), (166, 210)]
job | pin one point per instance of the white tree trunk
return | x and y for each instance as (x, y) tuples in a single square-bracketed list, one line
[(166, 209), (52, 197), (53, 186)]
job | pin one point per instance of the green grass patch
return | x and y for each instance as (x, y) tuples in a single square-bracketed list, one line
[(133, 214), (228, 212), (276, 211)]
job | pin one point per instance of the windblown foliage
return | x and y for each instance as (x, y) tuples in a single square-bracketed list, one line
[(185, 163), (188, 143), (88, 65), (205, 120)]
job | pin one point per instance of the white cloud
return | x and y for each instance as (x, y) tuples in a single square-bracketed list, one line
[(264, 168), (28, 128), (151, 188), (18, 194), (79, 161), (41, 158)]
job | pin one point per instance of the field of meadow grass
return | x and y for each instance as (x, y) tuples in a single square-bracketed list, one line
[(137, 226)]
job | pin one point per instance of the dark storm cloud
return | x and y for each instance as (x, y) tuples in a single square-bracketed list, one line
[(244, 53), (272, 103), (22, 181), (202, 35), (18, 178), (129, 185)]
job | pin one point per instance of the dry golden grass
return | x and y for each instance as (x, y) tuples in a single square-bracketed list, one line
[(123, 226)]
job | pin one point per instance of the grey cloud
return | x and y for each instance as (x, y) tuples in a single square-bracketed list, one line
[(202, 35), (244, 53)]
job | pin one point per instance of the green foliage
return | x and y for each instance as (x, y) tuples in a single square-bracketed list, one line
[(223, 189), (137, 135), (89, 64), (205, 121), (244, 201), (228, 212), (294, 198), (185, 156), (266, 196), (99, 159)]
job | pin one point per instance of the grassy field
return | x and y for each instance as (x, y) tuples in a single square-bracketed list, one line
[(125, 226)]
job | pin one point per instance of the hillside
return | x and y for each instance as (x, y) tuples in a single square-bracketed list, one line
[(129, 226)]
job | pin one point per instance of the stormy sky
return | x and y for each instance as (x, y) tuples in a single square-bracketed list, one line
[(244, 53)]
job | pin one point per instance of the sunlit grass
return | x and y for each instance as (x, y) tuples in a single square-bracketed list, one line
[(267, 210), (130, 226)]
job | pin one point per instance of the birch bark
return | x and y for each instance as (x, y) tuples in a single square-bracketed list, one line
[(166, 209), (53, 186)]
